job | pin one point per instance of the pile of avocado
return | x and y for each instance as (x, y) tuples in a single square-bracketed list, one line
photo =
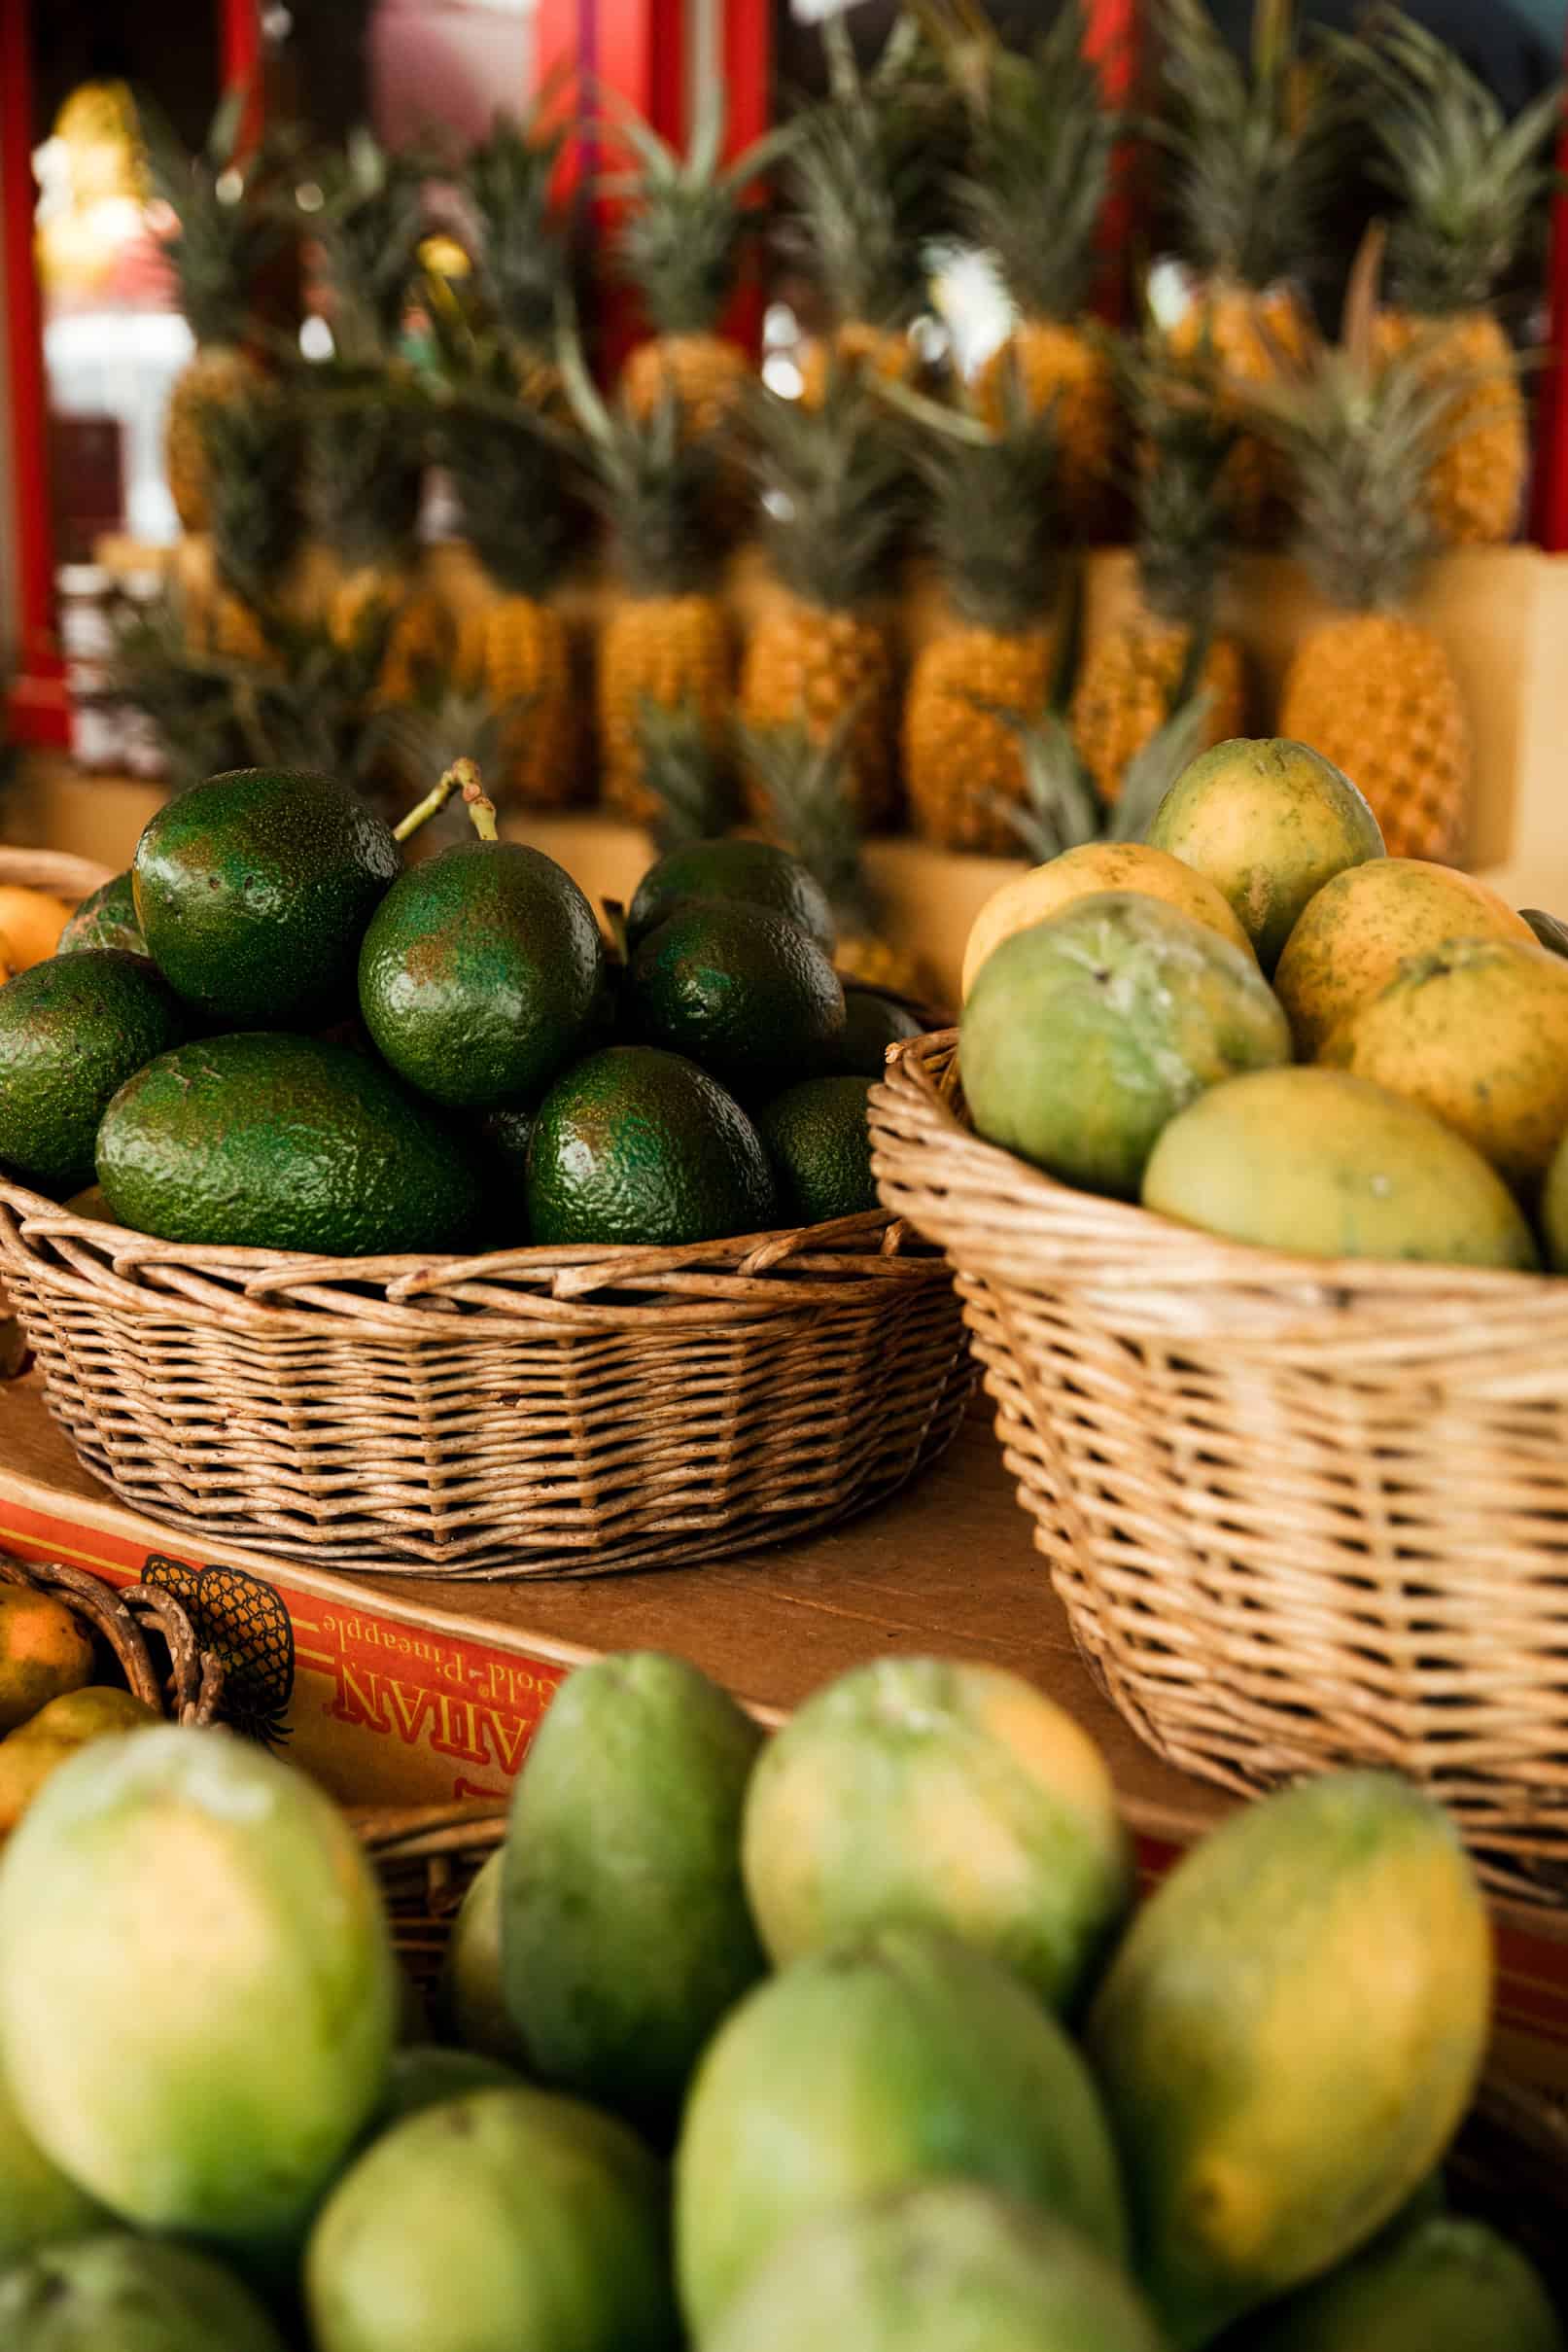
[(272, 1034)]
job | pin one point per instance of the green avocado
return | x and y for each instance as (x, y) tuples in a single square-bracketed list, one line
[(753, 871), (108, 919), (872, 1021), (72, 1031), (483, 974), (276, 1141), (636, 1146), (815, 1136), (254, 890), (741, 990)]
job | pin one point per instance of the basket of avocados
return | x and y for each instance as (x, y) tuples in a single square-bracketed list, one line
[(392, 1214), (1261, 1248)]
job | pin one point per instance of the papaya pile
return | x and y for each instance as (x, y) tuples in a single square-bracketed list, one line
[(273, 1033), (1257, 1023), (855, 2037)]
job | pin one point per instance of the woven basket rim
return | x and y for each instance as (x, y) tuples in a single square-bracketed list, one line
[(1184, 1255), (61, 871)]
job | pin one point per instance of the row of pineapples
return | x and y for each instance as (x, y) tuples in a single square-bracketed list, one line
[(1406, 439)]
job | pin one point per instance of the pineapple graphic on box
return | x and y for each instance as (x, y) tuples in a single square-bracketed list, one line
[(1253, 154), (991, 526), (681, 245), (833, 479), (1466, 182), (1373, 689), (1043, 142), (229, 228), (1136, 673), (665, 638)]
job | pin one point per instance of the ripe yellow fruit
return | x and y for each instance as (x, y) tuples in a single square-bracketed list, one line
[(30, 925), (1126, 690), (1099, 865), (673, 650), (1477, 1031), (961, 758), (1376, 694), (806, 666), (1353, 936), (1476, 484), (1056, 362), (1254, 336), (705, 372)]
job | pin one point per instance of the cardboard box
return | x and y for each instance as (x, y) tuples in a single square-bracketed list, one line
[(406, 1690)]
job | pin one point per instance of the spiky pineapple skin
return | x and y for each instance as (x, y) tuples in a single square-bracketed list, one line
[(1125, 688), (1375, 692), (958, 757), (857, 348), (1249, 333), (1475, 488), (705, 372), (419, 635), (1058, 363), (518, 650), (806, 666), (217, 371), (872, 961), (667, 649)]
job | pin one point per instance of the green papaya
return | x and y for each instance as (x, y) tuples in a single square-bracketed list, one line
[(39, 2205), (471, 1999), (625, 1933), (874, 2067), (122, 2294), (1287, 2039), (1446, 2285)]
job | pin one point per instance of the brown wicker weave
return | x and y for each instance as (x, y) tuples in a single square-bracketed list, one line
[(193, 1686), (64, 876), (427, 1857), (1300, 1514), (532, 1411)]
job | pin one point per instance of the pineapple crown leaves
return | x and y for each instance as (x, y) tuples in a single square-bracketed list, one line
[(369, 223), (1256, 151), (992, 519), (686, 772), (680, 242), (869, 172), (1043, 141), (443, 722), (834, 484), (520, 252), (516, 477), (225, 204), (653, 484), (188, 698), (1466, 179), (251, 443), (802, 780), (1184, 522), (1062, 810), (367, 440)]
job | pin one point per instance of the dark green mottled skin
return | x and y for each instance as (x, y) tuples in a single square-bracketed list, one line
[(872, 1021), (108, 919), (274, 1141), (742, 991), (483, 974), (637, 1145), (755, 872), (816, 1138), (72, 1031), (253, 891)]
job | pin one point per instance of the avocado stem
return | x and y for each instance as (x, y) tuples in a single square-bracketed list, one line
[(480, 807), (457, 778)]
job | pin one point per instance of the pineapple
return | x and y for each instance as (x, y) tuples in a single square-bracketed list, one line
[(680, 246), (1044, 140), (1061, 809), (686, 774), (804, 799), (666, 639), (1255, 156), (1133, 676), (1466, 182), (862, 167), (520, 261), (511, 470), (832, 480), (228, 231), (1373, 689), (992, 521)]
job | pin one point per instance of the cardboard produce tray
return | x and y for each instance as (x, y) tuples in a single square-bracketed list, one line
[(397, 1691)]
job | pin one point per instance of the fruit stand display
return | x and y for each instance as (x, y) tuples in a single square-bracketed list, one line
[(402, 1226)]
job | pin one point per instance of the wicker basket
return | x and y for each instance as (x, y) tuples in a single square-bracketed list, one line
[(66, 877), (530, 1412), (1300, 1514), (192, 1688)]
